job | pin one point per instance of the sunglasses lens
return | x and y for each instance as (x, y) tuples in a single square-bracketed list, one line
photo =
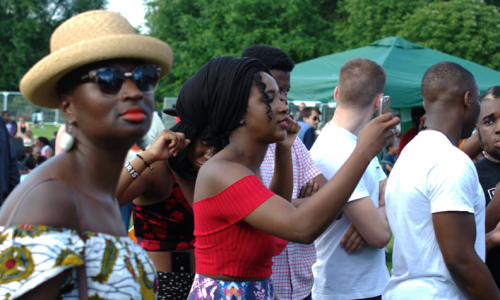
[(110, 81), (146, 79)]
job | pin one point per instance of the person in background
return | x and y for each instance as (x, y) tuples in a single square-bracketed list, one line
[(33, 160), (9, 171), (308, 121), (53, 141), (435, 204), (417, 121), (22, 127), (34, 120), (340, 274), (488, 169), (44, 144), (302, 106), (11, 125), (390, 158), (292, 273), (39, 118)]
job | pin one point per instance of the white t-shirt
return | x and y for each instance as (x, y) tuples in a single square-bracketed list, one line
[(431, 176), (337, 274)]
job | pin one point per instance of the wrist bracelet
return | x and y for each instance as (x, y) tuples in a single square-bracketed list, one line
[(131, 171), (146, 163)]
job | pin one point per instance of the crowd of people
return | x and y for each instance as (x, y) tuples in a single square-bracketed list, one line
[(238, 200)]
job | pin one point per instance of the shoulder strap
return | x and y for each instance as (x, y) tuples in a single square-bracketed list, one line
[(82, 270)]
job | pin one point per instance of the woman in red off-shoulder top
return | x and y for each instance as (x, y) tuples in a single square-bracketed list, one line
[(237, 220)]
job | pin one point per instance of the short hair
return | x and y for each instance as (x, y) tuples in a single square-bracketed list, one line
[(391, 143), (360, 80), (445, 76), (416, 114), (307, 112), (5, 112), (490, 94), (274, 58)]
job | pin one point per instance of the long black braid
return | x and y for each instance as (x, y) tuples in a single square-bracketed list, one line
[(262, 88)]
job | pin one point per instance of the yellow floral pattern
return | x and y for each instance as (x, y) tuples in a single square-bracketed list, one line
[(31, 255)]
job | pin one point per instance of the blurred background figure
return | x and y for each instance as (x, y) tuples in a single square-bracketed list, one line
[(11, 125), (44, 144), (417, 121), (9, 172), (22, 127), (33, 160), (390, 158), (302, 106), (308, 120)]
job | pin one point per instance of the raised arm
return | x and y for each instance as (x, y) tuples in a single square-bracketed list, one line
[(472, 146), (282, 182), (166, 144), (305, 223), (456, 235)]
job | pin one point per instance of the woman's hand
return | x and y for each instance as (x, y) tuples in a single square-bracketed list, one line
[(373, 138), (167, 143), (291, 133)]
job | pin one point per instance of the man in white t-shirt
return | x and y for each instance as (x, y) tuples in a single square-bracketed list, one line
[(435, 203), (338, 274)]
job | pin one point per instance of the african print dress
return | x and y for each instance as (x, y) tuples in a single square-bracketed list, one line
[(117, 268)]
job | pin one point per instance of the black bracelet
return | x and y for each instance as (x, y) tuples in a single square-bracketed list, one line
[(146, 163)]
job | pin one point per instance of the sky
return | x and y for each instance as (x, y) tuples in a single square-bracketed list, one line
[(133, 10)]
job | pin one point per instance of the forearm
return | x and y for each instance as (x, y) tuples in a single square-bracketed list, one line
[(282, 182), (321, 209), (472, 146), (126, 179), (298, 202), (493, 213), (473, 278)]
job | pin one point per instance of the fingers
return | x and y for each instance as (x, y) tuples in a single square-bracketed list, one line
[(360, 245), (293, 126), (303, 190), (347, 236), (353, 240)]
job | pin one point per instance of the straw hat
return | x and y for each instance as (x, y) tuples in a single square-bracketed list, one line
[(86, 38)]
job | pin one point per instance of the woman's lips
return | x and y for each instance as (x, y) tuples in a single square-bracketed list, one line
[(134, 115), (284, 123)]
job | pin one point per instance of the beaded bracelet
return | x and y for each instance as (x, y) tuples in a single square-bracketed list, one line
[(132, 171), (146, 163)]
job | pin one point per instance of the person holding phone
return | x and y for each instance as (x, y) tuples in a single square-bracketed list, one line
[(339, 274), (237, 219)]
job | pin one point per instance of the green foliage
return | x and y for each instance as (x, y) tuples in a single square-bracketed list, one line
[(465, 28), (364, 21), (198, 30), (26, 26)]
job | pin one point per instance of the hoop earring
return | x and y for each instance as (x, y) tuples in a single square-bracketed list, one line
[(67, 140)]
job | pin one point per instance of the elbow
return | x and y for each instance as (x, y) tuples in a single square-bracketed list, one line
[(379, 241)]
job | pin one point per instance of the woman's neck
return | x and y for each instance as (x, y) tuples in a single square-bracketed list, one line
[(248, 152)]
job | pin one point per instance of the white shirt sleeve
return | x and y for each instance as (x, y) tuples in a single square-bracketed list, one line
[(449, 187)]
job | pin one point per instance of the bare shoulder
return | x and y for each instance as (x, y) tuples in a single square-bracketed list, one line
[(49, 203), (216, 175)]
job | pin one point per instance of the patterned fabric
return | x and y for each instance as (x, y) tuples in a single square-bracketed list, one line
[(116, 267), (167, 225), (205, 288), (174, 285), (292, 269)]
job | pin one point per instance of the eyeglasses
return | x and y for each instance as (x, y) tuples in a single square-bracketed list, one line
[(315, 118), (110, 80)]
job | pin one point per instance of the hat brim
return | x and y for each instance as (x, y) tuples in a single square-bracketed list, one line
[(39, 84), (170, 112)]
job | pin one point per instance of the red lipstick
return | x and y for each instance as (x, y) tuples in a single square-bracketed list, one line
[(135, 114)]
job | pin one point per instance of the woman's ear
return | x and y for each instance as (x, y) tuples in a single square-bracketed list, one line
[(67, 108)]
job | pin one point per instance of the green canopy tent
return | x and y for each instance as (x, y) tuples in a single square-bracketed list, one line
[(405, 64)]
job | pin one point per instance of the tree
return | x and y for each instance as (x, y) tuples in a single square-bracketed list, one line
[(465, 28), (26, 28), (364, 21), (198, 30)]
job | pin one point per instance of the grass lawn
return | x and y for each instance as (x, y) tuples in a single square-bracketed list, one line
[(46, 132)]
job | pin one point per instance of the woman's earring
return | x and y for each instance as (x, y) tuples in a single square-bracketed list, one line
[(67, 140), (242, 122)]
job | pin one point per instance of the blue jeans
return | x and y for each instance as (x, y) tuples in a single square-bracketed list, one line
[(126, 211)]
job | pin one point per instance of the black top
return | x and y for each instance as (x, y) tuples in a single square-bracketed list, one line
[(9, 172), (489, 177), (29, 162)]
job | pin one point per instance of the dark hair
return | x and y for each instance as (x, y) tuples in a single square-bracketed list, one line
[(262, 88), (360, 80), (307, 112), (392, 143), (274, 58), (416, 114), (490, 94), (5, 112), (181, 163), (44, 141), (446, 76)]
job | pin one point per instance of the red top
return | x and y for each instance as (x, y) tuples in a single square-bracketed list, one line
[(406, 138), (225, 243), (167, 225)]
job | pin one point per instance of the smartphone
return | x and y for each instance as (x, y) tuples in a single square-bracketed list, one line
[(180, 261), (385, 105)]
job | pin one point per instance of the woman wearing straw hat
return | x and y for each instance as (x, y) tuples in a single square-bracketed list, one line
[(62, 234)]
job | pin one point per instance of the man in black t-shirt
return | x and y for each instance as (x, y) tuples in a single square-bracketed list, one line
[(488, 168)]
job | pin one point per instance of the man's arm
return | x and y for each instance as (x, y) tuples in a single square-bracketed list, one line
[(493, 211), (309, 189), (456, 235), (472, 147)]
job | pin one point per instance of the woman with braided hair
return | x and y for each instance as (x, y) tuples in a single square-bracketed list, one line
[(240, 224)]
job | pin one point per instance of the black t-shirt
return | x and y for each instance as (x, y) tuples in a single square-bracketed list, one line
[(489, 177)]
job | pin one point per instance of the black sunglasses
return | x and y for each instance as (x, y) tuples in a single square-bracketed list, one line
[(315, 118), (110, 80)]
